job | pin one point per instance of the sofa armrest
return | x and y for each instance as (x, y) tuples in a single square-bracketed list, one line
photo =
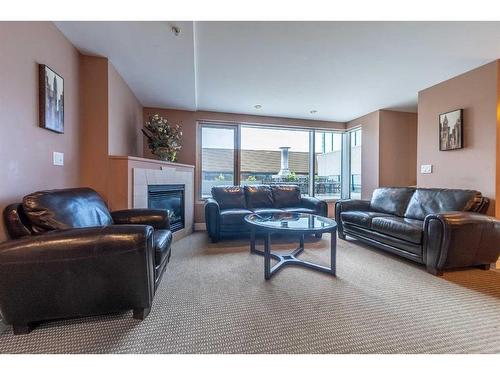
[(460, 239), (85, 270), (212, 218), (348, 205), (156, 218), (318, 205)]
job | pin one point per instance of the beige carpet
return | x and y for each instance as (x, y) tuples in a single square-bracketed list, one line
[(214, 299)]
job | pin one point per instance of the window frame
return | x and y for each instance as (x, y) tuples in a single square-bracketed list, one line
[(199, 151), (236, 127)]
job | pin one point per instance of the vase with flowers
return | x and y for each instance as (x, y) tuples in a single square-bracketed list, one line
[(163, 137)]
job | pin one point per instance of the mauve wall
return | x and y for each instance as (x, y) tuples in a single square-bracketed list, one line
[(25, 149), (188, 119), (125, 117), (474, 166)]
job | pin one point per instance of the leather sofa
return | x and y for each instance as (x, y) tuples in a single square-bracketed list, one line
[(70, 257), (441, 228), (225, 211)]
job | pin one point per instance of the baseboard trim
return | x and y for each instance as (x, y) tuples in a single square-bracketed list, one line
[(200, 227)]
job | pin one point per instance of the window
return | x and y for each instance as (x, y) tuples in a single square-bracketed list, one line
[(355, 164), (218, 157), (328, 165), (274, 156), (315, 160)]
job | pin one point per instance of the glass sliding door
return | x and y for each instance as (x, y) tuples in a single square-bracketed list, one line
[(355, 164), (328, 164), (274, 156), (218, 156)]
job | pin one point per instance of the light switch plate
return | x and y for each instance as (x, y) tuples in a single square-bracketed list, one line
[(426, 168), (58, 158)]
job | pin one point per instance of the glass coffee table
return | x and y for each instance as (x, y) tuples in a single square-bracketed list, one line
[(292, 224)]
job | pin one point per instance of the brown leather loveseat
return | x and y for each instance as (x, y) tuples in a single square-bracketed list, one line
[(441, 228), (70, 257)]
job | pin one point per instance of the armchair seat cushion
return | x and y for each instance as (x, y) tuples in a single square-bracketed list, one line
[(162, 239), (399, 227), (361, 218), (233, 216)]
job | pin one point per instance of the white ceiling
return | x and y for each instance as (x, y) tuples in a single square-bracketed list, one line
[(341, 69)]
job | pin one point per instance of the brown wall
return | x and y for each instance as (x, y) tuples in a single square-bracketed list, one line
[(25, 149), (388, 149), (188, 119), (94, 120), (398, 148), (473, 167), (125, 117), (111, 119)]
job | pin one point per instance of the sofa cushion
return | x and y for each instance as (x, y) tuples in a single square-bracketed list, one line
[(233, 216), (361, 218), (270, 211), (65, 209), (162, 238), (286, 195), (259, 196), (229, 196), (431, 201), (300, 210), (399, 227), (391, 200)]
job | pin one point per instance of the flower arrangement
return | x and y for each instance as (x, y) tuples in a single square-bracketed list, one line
[(163, 138)]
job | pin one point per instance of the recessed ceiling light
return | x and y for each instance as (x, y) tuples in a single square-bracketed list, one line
[(257, 106), (312, 112)]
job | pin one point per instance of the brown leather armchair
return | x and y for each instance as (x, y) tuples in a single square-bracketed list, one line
[(70, 257)]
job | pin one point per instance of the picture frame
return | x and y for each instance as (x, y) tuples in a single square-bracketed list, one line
[(451, 130), (51, 99)]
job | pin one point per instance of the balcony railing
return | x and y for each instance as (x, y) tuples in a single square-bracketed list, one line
[(323, 186)]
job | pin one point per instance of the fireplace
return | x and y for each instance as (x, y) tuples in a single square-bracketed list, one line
[(170, 198)]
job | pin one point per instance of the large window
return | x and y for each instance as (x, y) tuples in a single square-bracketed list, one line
[(315, 160), (355, 167), (218, 156), (274, 156), (328, 162)]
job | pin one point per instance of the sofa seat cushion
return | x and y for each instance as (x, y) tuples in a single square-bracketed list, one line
[(361, 218), (399, 227), (233, 216), (162, 238), (301, 210), (270, 211)]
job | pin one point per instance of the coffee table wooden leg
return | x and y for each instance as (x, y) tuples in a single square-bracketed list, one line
[(267, 256)]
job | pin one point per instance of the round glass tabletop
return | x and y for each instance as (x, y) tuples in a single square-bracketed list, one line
[(291, 221)]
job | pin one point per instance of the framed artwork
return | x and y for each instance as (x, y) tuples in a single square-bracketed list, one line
[(51, 99), (451, 130)]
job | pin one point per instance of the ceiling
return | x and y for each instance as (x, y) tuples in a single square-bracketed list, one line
[(342, 70)]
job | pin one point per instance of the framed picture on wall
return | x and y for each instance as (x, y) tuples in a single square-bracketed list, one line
[(451, 130), (51, 99)]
